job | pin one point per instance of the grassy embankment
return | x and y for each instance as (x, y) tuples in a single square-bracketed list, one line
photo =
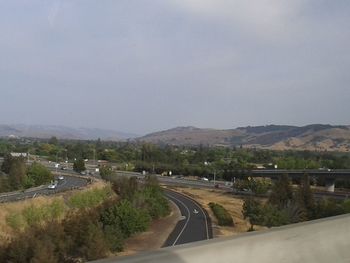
[(18, 216)]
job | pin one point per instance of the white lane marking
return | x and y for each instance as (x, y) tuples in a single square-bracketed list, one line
[(205, 217), (188, 218), (181, 217)]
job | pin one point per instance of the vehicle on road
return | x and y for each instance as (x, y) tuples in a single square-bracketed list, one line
[(195, 211), (52, 186), (60, 177)]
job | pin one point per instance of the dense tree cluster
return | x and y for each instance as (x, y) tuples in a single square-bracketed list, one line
[(18, 176), (258, 186), (286, 206), (79, 165)]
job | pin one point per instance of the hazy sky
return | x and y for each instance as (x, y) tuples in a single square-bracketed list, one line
[(145, 65)]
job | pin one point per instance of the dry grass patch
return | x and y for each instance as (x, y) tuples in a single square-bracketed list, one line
[(10, 211), (231, 203), (16, 216)]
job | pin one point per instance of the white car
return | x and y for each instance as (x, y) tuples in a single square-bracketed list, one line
[(60, 177), (195, 211), (52, 186)]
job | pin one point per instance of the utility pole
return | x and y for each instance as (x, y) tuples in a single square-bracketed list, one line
[(214, 175), (66, 158), (56, 164)]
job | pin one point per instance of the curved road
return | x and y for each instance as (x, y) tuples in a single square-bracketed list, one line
[(67, 183), (195, 224)]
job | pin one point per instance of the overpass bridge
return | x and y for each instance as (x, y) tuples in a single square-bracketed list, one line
[(329, 176), (320, 241), (327, 173)]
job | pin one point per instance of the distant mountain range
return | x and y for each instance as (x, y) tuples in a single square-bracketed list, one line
[(315, 137), (62, 132)]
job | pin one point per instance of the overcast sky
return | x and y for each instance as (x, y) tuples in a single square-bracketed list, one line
[(146, 65)]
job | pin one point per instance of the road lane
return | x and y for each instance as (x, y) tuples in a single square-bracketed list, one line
[(194, 226), (68, 183)]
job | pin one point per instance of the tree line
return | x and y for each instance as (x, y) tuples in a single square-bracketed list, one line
[(17, 175), (285, 206), (202, 161)]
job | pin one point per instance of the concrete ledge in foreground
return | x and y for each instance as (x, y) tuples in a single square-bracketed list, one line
[(320, 241)]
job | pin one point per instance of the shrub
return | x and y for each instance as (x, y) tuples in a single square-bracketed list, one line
[(34, 215), (89, 199), (257, 186), (55, 210), (15, 221), (106, 172), (36, 244), (126, 188), (346, 206), (114, 237), (223, 216), (79, 165), (153, 202), (329, 207), (126, 217), (272, 216), (40, 214), (83, 234), (148, 197), (38, 174), (253, 210)]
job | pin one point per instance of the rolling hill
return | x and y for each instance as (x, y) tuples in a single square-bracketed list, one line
[(61, 132), (313, 137)]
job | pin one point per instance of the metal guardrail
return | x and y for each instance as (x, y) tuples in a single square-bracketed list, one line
[(25, 194)]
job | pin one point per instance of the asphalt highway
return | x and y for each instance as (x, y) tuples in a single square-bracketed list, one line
[(194, 183), (69, 182), (221, 185), (195, 224)]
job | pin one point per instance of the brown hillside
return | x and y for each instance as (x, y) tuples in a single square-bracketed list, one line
[(316, 137)]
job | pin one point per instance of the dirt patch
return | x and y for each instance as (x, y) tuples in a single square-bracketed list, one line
[(156, 235), (232, 203)]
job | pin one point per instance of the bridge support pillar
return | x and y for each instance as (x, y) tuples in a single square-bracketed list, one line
[(330, 185)]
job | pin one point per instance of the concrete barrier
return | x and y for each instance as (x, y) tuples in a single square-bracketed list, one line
[(319, 241)]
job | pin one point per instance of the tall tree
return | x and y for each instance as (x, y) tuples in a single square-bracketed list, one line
[(305, 197), (253, 210), (53, 140), (17, 174), (39, 174), (282, 193), (79, 165), (6, 165)]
